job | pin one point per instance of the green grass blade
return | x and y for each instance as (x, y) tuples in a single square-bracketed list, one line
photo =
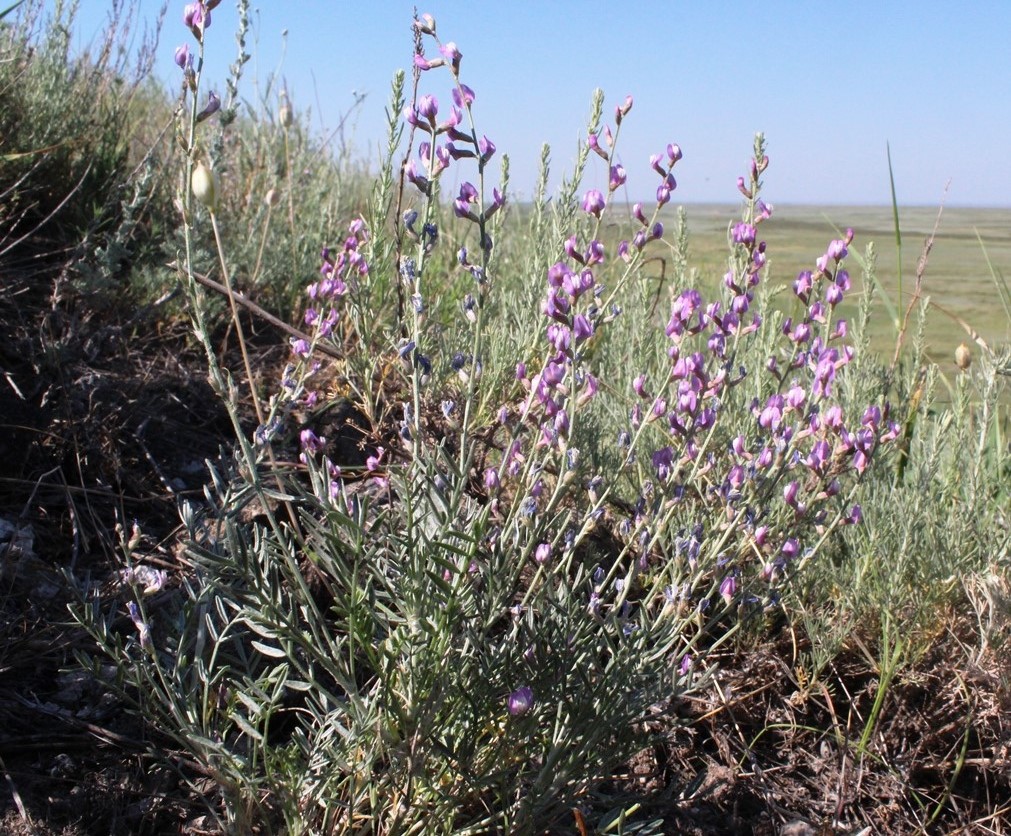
[(898, 230), (998, 278), (10, 9)]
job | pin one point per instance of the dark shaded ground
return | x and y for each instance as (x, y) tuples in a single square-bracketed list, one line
[(106, 417)]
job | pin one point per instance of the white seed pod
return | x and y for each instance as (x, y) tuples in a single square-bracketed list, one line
[(284, 114), (963, 357), (205, 186), (272, 197)]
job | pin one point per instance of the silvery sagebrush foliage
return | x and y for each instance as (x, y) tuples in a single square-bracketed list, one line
[(471, 629)]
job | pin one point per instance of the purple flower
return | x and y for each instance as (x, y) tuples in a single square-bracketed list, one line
[(617, 177), (213, 106), (790, 493), (818, 459), (486, 147), (556, 307), (542, 554), (803, 284), (423, 64), (553, 374), (428, 107), (801, 334), (833, 418), (521, 701), (558, 272), (744, 234), (872, 417), (590, 391), (728, 588), (582, 328), (837, 250), (593, 202), (449, 126), (833, 295), (197, 16), (143, 628), (663, 461), (594, 253), (736, 476), (461, 206), (772, 415), (657, 410), (462, 96), (453, 55), (824, 373), (594, 145), (311, 443), (664, 189), (559, 336), (796, 396), (891, 434), (622, 110), (183, 57), (414, 176), (372, 462)]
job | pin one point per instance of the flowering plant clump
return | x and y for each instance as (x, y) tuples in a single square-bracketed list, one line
[(470, 628)]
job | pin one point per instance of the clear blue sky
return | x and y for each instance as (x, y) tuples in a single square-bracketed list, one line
[(829, 83)]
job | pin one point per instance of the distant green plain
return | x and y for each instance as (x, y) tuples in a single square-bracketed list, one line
[(957, 278)]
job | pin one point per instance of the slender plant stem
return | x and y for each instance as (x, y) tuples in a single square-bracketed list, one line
[(235, 318)]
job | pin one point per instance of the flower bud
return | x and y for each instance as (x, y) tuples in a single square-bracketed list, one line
[(204, 185), (621, 111), (425, 24)]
